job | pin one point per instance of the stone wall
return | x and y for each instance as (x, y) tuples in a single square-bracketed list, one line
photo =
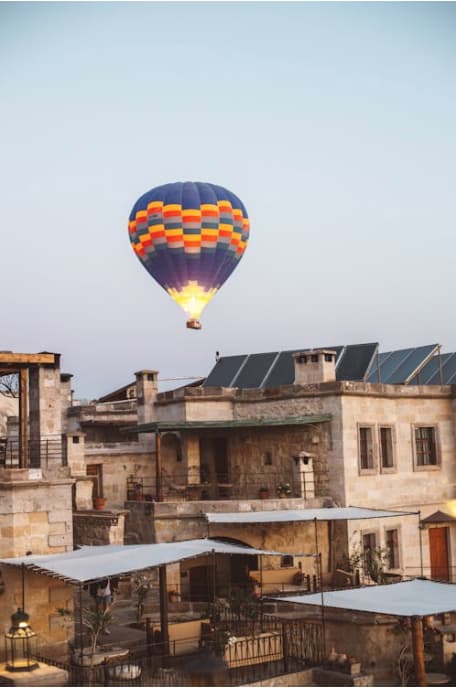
[(118, 462), (403, 487), (247, 450), (35, 516), (99, 528), (43, 596)]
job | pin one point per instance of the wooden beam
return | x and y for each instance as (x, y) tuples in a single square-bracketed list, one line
[(418, 650), (27, 359)]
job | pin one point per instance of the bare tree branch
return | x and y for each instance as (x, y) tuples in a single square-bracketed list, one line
[(9, 385)]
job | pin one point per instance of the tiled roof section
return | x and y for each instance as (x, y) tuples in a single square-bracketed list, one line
[(277, 368), (439, 517)]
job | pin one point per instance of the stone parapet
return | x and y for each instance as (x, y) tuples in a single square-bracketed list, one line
[(99, 527)]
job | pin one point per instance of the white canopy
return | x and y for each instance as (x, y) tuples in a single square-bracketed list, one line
[(92, 563), (350, 513), (408, 598)]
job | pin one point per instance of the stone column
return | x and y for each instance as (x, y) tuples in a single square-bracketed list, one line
[(303, 475), (83, 488), (192, 457), (66, 394), (45, 412)]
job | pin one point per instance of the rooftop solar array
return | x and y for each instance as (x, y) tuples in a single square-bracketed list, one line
[(399, 367), (356, 362), (430, 373), (277, 368)]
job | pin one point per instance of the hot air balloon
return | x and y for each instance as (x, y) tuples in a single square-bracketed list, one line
[(190, 237)]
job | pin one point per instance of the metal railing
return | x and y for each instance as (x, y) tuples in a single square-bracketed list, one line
[(270, 650), (48, 450), (180, 486)]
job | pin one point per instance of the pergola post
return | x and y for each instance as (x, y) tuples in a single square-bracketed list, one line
[(418, 650), (158, 468), (164, 609), (23, 418)]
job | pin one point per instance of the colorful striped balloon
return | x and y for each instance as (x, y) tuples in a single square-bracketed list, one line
[(190, 237)]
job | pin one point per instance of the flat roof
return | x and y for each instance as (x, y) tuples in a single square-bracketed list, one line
[(408, 598), (349, 513), (159, 426)]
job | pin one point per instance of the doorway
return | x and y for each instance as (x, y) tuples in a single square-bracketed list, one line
[(438, 549), (95, 471), (199, 577)]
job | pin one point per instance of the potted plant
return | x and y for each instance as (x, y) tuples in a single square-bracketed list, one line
[(263, 493), (99, 503), (283, 489)]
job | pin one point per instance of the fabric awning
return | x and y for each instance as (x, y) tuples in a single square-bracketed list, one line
[(408, 598), (92, 563), (290, 515)]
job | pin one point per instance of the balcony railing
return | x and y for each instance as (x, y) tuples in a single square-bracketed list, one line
[(48, 450), (196, 487), (270, 652)]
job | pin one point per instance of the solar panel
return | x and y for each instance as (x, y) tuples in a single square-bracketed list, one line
[(377, 362), (283, 371), (255, 370), (224, 371), (355, 361), (413, 361), (449, 370), (430, 374), (392, 363)]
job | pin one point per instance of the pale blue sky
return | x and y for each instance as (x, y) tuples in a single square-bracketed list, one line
[(335, 124)]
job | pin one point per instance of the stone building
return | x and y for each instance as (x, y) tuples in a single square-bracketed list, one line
[(35, 492), (272, 432), (376, 430)]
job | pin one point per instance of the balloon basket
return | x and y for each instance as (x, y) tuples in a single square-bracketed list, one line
[(194, 324)]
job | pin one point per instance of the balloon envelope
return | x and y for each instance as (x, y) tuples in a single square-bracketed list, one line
[(190, 237)]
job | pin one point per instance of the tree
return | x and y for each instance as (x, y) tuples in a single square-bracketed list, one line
[(9, 385)]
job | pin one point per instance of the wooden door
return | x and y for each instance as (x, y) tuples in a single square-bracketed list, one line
[(438, 548), (199, 577)]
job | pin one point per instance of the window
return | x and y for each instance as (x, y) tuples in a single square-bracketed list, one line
[(425, 446), (286, 561), (392, 546), (328, 357), (369, 547), (386, 447), (267, 458), (366, 448), (314, 358)]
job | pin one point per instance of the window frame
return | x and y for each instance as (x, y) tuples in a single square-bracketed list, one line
[(431, 466), (376, 535), (393, 468), (395, 527), (372, 470)]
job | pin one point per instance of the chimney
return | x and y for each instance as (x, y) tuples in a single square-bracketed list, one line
[(146, 395), (314, 366)]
